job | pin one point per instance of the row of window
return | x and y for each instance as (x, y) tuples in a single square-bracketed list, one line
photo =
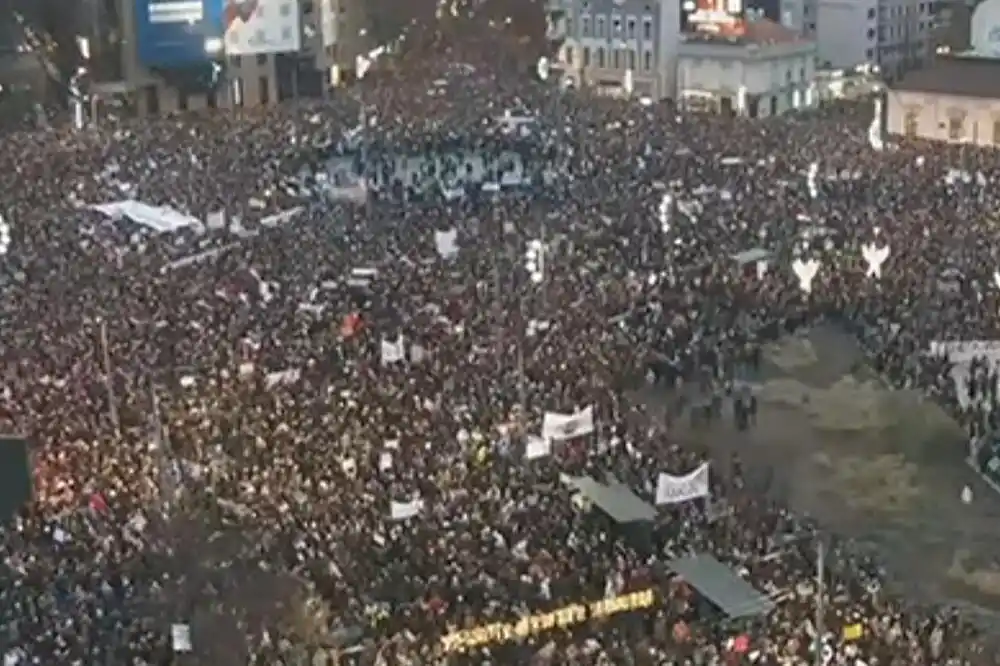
[(956, 127), (612, 58), (889, 32), (237, 61), (213, 98), (621, 28), (888, 12)]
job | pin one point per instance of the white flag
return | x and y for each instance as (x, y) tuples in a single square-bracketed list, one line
[(446, 243), (393, 351), (676, 489), (404, 510), (558, 427), (875, 129)]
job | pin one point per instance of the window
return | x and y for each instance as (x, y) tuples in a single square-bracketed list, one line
[(285, 10), (647, 29), (647, 61), (616, 59), (569, 26), (586, 56), (870, 54), (632, 59), (802, 73), (600, 57), (264, 91), (568, 55), (182, 100), (286, 35), (871, 14), (911, 123), (630, 27), (996, 132), (955, 127), (261, 57), (871, 34), (616, 25), (600, 27), (585, 26)]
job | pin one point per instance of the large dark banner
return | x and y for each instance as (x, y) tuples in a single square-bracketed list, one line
[(178, 33), (15, 476)]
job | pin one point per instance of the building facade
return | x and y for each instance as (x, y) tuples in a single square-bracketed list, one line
[(905, 36), (174, 55), (956, 101), (605, 43), (767, 71)]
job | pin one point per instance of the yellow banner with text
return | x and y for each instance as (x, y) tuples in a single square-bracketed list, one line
[(568, 616)]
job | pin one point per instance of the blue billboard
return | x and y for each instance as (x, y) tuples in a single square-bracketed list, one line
[(179, 33)]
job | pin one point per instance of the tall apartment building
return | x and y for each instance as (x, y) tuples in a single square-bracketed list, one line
[(896, 35), (166, 55)]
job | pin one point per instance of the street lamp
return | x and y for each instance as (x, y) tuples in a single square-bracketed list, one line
[(76, 93), (534, 261)]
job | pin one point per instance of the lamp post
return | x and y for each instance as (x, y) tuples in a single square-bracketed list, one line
[(535, 264), (77, 98)]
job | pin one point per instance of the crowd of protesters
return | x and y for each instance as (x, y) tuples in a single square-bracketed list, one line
[(219, 443)]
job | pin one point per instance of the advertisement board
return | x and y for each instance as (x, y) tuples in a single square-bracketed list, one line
[(254, 27), (178, 33)]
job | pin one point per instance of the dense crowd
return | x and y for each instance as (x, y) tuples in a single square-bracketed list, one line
[(223, 443)]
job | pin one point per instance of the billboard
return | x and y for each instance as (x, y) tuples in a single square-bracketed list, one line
[(262, 26), (178, 33), (717, 16)]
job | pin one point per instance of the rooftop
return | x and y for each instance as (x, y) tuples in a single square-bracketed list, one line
[(957, 75)]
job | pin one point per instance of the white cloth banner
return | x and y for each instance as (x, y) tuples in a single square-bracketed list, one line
[(558, 427), (676, 489), (180, 637), (875, 129), (393, 352), (446, 243), (404, 510)]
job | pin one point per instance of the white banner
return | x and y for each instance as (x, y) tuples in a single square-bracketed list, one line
[(405, 510), (262, 26), (393, 351), (180, 637), (676, 489), (558, 427)]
